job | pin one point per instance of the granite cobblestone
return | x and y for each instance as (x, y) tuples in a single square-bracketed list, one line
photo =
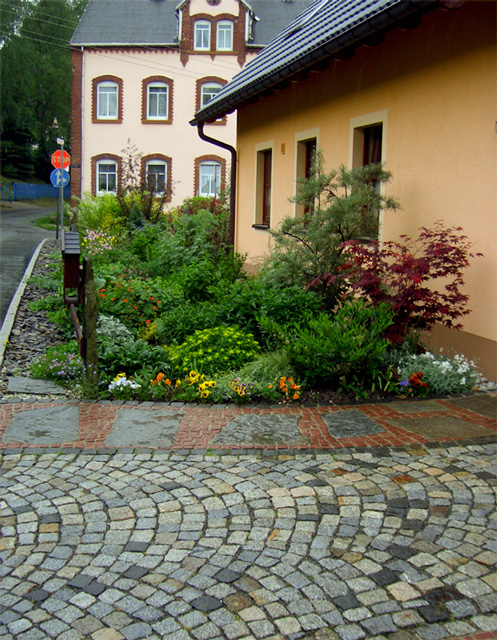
[(370, 544)]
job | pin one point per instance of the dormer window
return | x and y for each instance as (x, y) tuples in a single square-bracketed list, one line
[(202, 35), (224, 35)]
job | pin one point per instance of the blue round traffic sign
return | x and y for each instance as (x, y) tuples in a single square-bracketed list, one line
[(59, 177)]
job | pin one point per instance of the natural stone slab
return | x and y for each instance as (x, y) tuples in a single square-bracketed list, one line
[(350, 423), (19, 384), (419, 406), (51, 425), (442, 427), (482, 404), (144, 428), (249, 430)]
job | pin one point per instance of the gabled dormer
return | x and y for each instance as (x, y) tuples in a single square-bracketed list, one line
[(214, 28)]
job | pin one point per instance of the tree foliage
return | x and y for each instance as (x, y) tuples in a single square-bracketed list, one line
[(35, 70), (337, 206)]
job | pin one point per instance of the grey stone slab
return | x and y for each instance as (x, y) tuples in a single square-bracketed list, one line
[(437, 427), (482, 404), (260, 430), (18, 384), (138, 427), (350, 423), (416, 406), (51, 425)]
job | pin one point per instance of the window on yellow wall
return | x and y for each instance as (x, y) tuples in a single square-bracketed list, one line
[(306, 150), (264, 188), (367, 149)]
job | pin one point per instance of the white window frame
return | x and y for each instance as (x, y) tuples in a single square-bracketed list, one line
[(206, 88), (106, 173), (209, 164), (224, 35), (157, 85), (163, 165), (104, 111), (202, 35)]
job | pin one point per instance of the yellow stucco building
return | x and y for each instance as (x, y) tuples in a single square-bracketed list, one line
[(411, 84)]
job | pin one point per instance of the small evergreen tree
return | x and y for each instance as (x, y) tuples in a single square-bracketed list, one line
[(337, 206)]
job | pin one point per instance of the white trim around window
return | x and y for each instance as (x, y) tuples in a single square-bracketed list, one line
[(209, 172), (156, 171), (157, 101), (106, 171), (224, 35), (208, 91), (107, 100), (202, 35)]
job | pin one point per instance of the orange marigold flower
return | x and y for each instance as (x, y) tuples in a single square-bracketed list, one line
[(147, 321), (160, 376), (295, 396), (125, 299), (102, 295), (167, 381), (152, 298), (158, 301), (112, 299)]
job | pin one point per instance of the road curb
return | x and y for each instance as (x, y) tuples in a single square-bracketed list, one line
[(10, 316)]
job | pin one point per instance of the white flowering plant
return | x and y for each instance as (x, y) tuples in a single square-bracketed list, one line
[(442, 374), (122, 387)]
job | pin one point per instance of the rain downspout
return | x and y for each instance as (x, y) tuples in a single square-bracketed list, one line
[(232, 150)]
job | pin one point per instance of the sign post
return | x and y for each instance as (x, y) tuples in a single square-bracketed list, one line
[(60, 177)]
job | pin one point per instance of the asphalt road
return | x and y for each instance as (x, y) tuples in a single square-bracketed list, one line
[(18, 241)]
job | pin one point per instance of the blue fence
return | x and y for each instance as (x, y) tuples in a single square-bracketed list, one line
[(25, 191)]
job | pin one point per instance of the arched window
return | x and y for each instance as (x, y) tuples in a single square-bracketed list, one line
[(224, 35), (202, 35), (157, 100), (107, 99), (209, 90), (209, 178), (106, 176)]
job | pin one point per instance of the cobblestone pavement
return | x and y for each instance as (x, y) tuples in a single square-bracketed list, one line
[(397, 543)]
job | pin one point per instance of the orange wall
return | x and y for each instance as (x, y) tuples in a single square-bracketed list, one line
[(436, 86)]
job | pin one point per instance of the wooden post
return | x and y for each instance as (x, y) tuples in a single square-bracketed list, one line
[(90, 314)]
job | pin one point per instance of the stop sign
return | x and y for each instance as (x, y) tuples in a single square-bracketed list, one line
[(61, 160)]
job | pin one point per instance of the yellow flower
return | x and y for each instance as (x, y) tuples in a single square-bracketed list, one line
[(205, 393), (178, 382)]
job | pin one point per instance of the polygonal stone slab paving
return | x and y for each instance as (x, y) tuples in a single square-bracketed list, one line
[(437, 427), (51, 425), (350, 423), (484, 405), (144, 428), (249, 430)]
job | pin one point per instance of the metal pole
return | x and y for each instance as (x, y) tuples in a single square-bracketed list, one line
[(60, 208)]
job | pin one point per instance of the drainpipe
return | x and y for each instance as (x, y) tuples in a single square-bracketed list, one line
[(232, 150)]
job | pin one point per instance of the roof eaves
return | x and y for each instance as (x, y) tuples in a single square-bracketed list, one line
[(224, 104)]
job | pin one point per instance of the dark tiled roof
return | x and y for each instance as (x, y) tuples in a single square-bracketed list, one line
[(274, 16), (154, 22), (128, 22), (326, 29)]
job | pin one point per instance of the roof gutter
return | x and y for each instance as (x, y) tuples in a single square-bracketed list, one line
[(232, 150)]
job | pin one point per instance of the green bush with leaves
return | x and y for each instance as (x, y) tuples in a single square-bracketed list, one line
[(101, 213), (344, 350), (136, 359), (214, 351)]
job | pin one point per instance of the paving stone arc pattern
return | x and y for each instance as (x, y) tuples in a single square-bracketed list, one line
[(351, 545)]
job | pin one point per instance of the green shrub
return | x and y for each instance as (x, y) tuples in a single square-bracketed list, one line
[(101, 213), (136, 359), (177, 323), (214, 351), (344, 351)]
